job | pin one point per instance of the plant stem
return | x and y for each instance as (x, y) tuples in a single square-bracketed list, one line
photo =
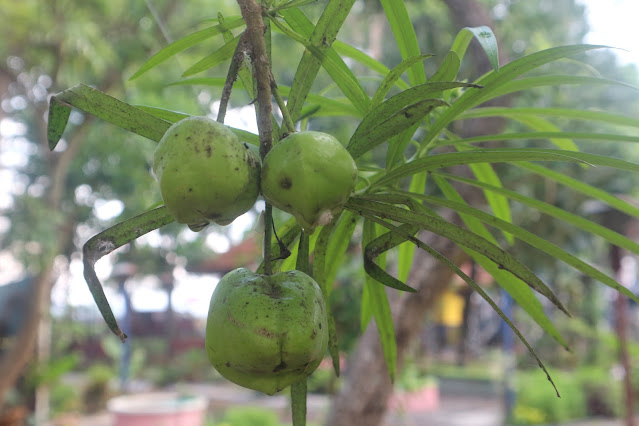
[(231, 76), (252, 14), (302, 263), (255, 29)]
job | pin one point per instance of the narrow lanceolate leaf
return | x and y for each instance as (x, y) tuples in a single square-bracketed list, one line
[(338, 245), (57, 122), (345, 49), (584, 188), (469, 281), (322, 36), (460, 236), (577, 114), (405, 37), (107, 241), (551, 80), (395, 103), (173, 116), (587, 136), (486, 38), (393, 76), (448, 69), (222, 54), (370, 137), (571, 218), (499, 204), (319, 268), (493, 81), (333, 64), (439, 161), (107, 108), (380, 245), (532, 239), (377, 303), (407, 250), (519, 291), (186, 42)]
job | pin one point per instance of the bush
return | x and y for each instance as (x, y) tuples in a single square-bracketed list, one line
[(587, 391), (249, 416)]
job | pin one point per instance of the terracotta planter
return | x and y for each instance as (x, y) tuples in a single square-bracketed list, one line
[(420, 401), (158, 409)]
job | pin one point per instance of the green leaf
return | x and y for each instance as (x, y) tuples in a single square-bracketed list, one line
[(338, 245), (322, 36), (377, 302), (345, 49), (449, 68), (470, 282), (319, 266), (460, 236), (107, 241), (334, 65), (222, 54), (57, 122), (186, 42), (584, 188), (393, 77), (520, 292), (407, 250), (499, 204), (405, 37), (493, 81), (439, 161), (529, 238), (380, 245), (484, 35), (366, 138), (579, 114), (571, 218), (551, 80), (173, 116), (610, 137), (107, 108)]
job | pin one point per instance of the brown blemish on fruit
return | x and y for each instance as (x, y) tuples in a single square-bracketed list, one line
[(208, 151), (286, 182)]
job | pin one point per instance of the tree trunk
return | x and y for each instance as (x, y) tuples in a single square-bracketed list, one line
[(364, 397)]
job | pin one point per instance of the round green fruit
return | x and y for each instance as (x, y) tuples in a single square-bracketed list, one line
[(205, 173), (265, 332), (310, 175)]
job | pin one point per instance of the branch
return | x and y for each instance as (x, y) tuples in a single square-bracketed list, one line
[(255, 29), (252, 14)]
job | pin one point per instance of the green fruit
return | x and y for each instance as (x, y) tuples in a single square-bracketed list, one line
[(310, 175), (265, 332), (205, 173)]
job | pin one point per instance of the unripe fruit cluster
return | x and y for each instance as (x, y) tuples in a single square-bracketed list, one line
[(263, 332)]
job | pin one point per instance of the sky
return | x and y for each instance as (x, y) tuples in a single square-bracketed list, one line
[(612, 22)]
